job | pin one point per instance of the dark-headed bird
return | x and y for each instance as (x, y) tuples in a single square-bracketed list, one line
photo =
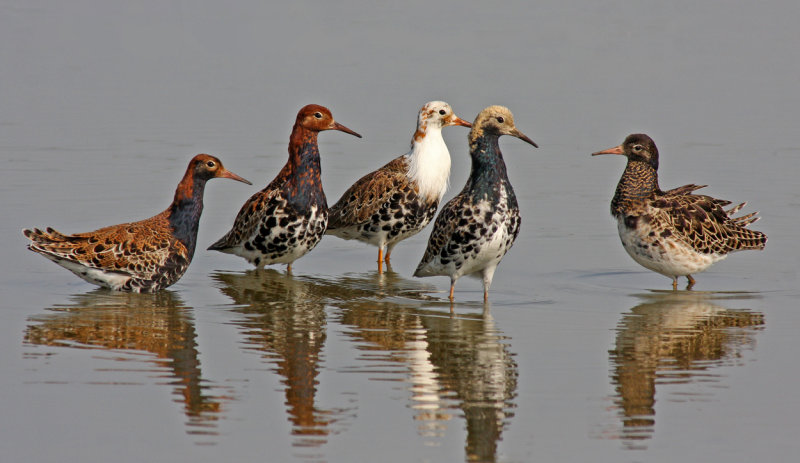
[(675, 233)]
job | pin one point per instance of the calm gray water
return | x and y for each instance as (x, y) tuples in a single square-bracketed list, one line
[(581, 356)]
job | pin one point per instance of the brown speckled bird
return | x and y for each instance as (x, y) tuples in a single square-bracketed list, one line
[(140, 256), (674, 233), (285, 220), (398, 200)]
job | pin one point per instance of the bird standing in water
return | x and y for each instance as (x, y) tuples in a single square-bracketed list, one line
[(398, 200), (476, 229), (674, 233), (140, 256), (285, 220)]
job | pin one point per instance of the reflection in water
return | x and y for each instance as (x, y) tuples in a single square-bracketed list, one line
[(285, 317), (156, 323), (474, 362), (452, 362), (674, 338)]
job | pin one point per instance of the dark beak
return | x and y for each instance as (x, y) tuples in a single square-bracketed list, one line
[(523, 137), (228, 174), (340, 127), (614, 150)]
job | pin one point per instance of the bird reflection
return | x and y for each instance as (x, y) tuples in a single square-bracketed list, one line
[(674, 338), (285, 317), (157, 323), (455, 364), (452, 362)]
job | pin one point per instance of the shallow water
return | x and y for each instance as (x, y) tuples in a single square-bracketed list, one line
[(580, 355)]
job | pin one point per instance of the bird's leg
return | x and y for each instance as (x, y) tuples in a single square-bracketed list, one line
[(389, 248), (289, 269), (380, 259), (691, 282), (488, 274), (388, 256), (452, 286), (675, 283)]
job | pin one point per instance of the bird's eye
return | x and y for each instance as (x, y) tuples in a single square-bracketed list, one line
[(442, 112), (500, 119), (211, 164), (637, 148), (318, 115)]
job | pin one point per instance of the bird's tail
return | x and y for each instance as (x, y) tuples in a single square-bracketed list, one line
[(743, 238)]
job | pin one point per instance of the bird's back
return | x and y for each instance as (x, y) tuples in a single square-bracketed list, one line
[(702, 222)]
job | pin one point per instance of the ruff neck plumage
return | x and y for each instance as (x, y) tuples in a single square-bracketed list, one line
[(488, 172), (184, 212), (638, 182), (429, 163), (304, 183)]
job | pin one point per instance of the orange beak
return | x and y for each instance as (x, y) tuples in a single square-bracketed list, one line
[(455, 120), (614, 150)]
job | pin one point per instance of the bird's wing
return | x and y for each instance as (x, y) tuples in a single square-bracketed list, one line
[(702, 222), (443, 230), (365, 197), (263, 203), (139, 249)]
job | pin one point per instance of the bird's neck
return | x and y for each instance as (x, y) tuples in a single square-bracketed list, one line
[(429, 164), (639, 181), (184, 212), (488, 174), (304, 186)]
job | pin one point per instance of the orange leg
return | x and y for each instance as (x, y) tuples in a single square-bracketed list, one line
[(452, 286), (388, 257), (380, 260), (691, 282)]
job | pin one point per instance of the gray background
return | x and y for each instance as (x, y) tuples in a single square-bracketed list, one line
[(103, 103)]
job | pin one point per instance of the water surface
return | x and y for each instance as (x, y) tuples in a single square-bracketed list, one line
[(581, 354)]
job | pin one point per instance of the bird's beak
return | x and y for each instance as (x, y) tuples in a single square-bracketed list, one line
[(614, 150), (341, 128), (455, 120), (523, 137), (232, 176)]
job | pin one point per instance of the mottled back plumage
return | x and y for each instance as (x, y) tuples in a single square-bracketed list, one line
[(368, 194), (476, 228), (398, 200), (674, 232), (285, 220), (139, 256)]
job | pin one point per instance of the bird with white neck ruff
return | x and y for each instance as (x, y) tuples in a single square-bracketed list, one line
[(477, 227), (398, 200)]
